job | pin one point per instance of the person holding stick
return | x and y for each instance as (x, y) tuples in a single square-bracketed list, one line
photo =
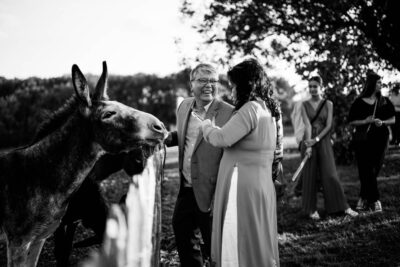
[(317, 115), (370, 114)]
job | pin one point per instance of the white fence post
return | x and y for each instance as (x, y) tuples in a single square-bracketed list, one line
[(134, 240)]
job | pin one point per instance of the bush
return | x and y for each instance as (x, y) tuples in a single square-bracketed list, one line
[(23, 110)]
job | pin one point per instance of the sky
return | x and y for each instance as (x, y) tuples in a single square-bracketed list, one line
[(45, 38)]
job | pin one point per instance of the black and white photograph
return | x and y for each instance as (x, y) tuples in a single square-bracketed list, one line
[(215, 133)]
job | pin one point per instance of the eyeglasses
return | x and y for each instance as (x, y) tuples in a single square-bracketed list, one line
[(313, 86), (206, 81)]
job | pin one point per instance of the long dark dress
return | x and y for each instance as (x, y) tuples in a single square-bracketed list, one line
[(371, 152), (321, 166)]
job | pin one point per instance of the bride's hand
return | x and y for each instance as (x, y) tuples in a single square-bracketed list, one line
[(206, 123)]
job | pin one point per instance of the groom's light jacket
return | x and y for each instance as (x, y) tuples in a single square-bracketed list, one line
[(205, 158)]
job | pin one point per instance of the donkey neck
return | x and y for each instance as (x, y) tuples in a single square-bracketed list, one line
[(68, 154)]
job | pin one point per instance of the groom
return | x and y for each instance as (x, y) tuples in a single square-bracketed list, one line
[(198, 165)]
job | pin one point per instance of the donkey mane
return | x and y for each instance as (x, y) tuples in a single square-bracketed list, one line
[(56, 119)]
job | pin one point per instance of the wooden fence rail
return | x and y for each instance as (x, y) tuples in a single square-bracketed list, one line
[(132, 237)]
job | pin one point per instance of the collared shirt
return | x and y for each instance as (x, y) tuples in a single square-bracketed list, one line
[(192, 132)]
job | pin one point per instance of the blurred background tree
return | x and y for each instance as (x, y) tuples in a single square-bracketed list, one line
[(339, 39)]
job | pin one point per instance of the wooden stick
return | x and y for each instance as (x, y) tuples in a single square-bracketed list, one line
[(300, 168)]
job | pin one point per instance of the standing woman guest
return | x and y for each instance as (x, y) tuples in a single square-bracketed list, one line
[(244, 231), (370, 113), (317, 115)]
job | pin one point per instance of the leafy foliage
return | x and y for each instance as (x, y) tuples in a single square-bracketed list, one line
[(26, 104), (341, 29), (340, 39)]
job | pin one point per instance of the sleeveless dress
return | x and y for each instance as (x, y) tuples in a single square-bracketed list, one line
[(244, 231), (321, 166)]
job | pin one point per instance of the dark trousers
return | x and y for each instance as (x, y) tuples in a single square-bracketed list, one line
[(188, 223), (370, 155)]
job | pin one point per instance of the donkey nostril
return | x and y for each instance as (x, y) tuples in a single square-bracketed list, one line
[(156, 127)]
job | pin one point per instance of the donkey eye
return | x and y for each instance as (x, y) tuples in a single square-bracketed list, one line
[(108, 114)]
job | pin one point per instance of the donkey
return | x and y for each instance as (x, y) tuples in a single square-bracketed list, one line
[(88, 205), (36, 181)]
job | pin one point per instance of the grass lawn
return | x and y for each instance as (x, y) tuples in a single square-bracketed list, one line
[(368, 240)]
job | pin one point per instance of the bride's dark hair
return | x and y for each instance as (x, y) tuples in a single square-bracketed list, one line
[(251, 81)]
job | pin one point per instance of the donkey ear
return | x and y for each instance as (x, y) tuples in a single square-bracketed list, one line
[(81, 86), (101, 88)]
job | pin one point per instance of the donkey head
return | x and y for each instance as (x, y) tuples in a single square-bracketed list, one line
[(116, 127)]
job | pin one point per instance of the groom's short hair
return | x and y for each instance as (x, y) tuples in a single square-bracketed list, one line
[(206, 67)]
